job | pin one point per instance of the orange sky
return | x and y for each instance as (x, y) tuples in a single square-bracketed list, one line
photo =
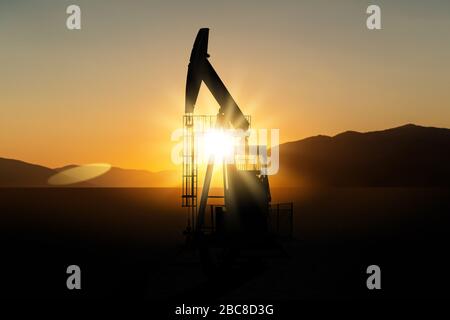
[(113, 92)]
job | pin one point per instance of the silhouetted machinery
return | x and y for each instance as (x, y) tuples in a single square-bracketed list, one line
[(241, 221)]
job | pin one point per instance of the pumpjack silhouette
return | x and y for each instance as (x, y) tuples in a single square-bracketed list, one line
[(242, 222)]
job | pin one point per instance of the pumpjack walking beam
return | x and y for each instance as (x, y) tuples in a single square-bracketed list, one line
[(200, 69)]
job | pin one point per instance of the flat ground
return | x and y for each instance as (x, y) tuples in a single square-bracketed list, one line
[(128, 243)]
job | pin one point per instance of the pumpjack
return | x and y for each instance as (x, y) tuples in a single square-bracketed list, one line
[(241, 222)]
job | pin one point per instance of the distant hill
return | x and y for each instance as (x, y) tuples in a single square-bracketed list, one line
[(18, 173), (406, 156), (14, 173), (129, 178)]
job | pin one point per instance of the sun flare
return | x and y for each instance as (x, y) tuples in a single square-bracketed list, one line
[(218, 144)]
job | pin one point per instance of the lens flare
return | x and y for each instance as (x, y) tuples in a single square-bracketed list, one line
[(79, 174)]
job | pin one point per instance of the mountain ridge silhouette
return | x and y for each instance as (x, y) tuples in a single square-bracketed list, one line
[(17, 173), (404, 156)]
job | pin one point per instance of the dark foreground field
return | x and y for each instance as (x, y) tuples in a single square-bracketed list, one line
[(128, 243)]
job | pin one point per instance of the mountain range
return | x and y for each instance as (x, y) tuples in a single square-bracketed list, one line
[(15, 173), (406, 156)]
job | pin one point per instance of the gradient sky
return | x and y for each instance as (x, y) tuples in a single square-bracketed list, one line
[(114, 91)]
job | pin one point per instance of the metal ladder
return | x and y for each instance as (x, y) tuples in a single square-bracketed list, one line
[(190, 170)]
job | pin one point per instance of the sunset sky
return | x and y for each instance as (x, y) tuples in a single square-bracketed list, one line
[(114, 91)]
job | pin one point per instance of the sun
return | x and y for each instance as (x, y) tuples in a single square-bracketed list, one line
[(218, 144)]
